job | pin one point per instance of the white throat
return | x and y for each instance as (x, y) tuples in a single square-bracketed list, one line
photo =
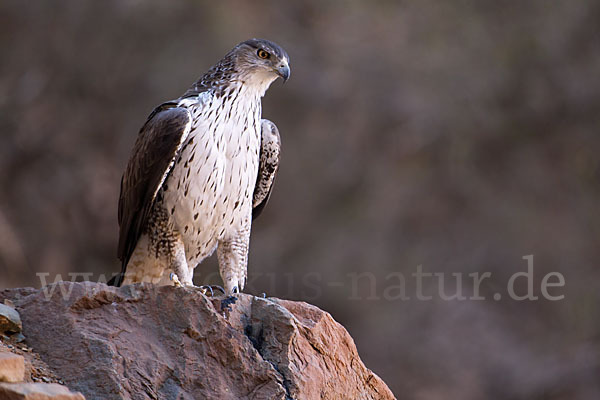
[(258, 82)]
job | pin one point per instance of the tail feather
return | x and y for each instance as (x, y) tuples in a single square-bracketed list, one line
[(117, 280)]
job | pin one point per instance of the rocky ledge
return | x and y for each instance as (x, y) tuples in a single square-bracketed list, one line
[(148, 342)]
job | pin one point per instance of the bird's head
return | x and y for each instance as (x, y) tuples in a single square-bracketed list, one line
[(262, 60)]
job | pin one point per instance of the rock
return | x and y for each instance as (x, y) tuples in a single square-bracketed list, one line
[(143, 341), (12, 367), (18, 337), (10, 322), (37, 391)]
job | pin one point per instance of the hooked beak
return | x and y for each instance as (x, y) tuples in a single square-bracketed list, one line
[(284, 71)]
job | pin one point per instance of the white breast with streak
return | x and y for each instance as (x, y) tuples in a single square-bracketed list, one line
[(209, 192)]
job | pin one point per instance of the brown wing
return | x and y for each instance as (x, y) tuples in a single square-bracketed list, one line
[(270, 148), (157, 145)]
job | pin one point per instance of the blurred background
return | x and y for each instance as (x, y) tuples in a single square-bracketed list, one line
[(458, 136)]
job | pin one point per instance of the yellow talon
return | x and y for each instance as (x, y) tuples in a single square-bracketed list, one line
[(175, 279)]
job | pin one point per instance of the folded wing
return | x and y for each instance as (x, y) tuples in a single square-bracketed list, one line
[(270, 149), (157, 146)]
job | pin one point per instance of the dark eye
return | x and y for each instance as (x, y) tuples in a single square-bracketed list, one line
[(263, 54)]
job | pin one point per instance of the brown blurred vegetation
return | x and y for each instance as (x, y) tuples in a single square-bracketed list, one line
[(459, 136)]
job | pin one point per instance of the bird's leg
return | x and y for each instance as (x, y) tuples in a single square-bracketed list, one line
[(233, 261), (181, 275)]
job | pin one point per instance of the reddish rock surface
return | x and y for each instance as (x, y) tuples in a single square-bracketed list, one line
[(12, 367), (37, 391), (142, 341)]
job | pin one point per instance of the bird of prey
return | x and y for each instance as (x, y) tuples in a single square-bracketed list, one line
[(201, 169)]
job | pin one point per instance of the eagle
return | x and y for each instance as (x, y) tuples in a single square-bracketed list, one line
[(202, 168)]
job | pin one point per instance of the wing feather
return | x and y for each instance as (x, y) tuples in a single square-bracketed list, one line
[(270, 149), (157, 146)]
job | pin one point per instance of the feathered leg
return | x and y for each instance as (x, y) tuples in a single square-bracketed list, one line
[(233, 261), (182, 274)]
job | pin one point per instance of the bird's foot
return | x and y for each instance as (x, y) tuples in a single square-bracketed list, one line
[(210, 289), (176, 282)]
